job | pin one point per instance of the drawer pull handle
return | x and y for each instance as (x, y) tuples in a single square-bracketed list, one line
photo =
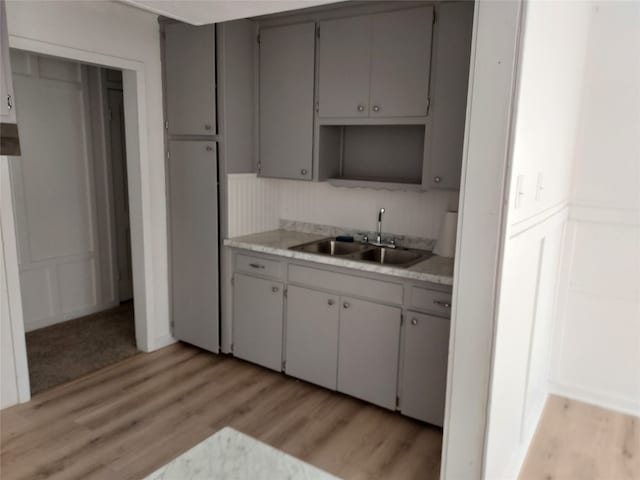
[(256, 265), (442, 303), (275, 289)]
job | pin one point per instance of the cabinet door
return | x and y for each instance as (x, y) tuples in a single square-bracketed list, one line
[(344, 67), (368, 351), (312, 336), (286, 101), (400, 62), (424, 367), (449, 95), (257, 320), (7, 109), (193, 227), (190, 79)]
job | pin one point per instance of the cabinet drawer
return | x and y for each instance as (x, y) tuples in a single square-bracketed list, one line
[(431, 300), (385, 292), (258, 265)]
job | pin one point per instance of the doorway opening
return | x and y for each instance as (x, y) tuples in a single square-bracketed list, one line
[(70, 191)]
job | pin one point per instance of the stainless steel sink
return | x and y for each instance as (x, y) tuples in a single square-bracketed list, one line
[(388, 256), (397, 257), (330, 247)]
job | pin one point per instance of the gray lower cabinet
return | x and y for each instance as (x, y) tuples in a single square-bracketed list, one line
[(368, 351), (424, 367), (257, 323), (286, 109), (193, 228), (312, 336)]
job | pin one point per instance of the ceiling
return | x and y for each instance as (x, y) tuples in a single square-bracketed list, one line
[(201, 12)]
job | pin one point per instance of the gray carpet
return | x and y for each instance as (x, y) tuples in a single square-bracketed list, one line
[(69, 350)]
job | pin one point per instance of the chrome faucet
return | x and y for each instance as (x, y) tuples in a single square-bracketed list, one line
[(379, 242), (379, 236)]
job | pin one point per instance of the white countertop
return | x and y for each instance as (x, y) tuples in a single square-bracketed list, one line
[(277, 242), (231, 455)]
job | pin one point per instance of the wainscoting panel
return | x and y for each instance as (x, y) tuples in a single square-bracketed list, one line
[(597, 348), (54, 189), (524, 335)]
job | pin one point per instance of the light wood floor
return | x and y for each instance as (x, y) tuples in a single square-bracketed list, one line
[(128, 419), (575, 440)]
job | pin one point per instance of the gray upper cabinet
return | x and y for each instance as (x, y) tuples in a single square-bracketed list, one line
[(7, 108), (368, 351), (286, 96), (344, 67), (190, 79), (312, 336), (376, 65), (449, 86), (257, 320), (193, 228), (424, 367), (400, 62)]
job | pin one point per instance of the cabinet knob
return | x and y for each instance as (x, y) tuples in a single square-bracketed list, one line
[(275, 289), (209, 148), (207, 126), (414, 321), (9, 102), (376, 108), (346, 305), (303, 171), (330, 302), (437, 179), (360, 107)]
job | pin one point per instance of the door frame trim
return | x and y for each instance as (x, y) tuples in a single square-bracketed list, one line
[(140, 197)]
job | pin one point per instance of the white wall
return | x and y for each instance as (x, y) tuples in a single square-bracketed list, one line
[(56, 186), (257, 204), (550, 77), (597, 345)]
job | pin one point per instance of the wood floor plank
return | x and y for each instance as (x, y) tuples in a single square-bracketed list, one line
[(578, 440), (129, 419)]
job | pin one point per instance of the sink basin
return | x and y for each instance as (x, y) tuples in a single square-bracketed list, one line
[(388, 256), (398, 257), (330, 247)]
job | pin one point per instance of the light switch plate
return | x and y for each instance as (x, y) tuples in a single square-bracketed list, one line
[(519, 191), (539, 187)]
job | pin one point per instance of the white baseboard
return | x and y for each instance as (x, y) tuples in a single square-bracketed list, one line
[(628, 406), (161, 342)]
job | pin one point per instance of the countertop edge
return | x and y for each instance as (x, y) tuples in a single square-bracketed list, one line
[(340, 262)]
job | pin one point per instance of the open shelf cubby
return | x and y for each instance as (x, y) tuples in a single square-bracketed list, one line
[(378, 156)]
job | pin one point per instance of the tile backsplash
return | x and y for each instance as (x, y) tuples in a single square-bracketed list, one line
[(258, 204)]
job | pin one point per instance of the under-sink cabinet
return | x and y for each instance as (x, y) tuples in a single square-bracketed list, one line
[(312, 329), (379, 338), (368, 351)]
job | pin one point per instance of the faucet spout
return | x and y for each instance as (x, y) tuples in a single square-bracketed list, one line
[(379, 237)]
